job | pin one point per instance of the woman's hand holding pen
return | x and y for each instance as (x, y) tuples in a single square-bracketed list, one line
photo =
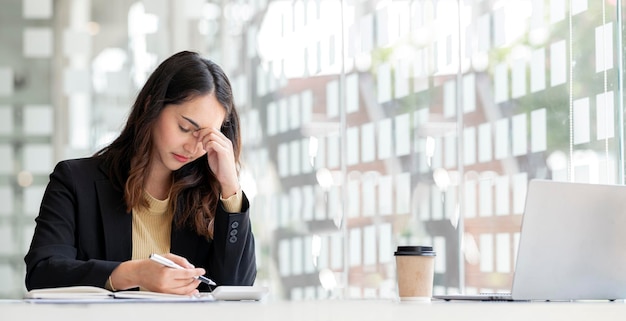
[(156, 277), (221, 158)]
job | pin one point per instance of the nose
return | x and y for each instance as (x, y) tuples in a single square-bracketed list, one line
[(192, 145)]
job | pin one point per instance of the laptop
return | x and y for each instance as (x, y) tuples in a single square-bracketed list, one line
[(572, 245)]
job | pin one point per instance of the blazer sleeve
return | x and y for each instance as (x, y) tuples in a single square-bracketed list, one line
[(233, 261), (52, 258)]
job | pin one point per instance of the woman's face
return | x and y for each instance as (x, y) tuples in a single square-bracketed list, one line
[(173, 139)]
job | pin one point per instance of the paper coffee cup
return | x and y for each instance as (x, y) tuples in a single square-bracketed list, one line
[(415, 270)]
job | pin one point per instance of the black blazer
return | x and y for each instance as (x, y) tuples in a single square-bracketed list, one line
[(84, 232)]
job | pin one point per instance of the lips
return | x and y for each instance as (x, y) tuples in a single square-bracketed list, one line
[(181, 158)]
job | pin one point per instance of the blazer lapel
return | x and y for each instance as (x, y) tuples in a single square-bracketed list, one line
[(116, 222)]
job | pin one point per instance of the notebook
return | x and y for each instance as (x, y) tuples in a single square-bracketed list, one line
[(572, 244)]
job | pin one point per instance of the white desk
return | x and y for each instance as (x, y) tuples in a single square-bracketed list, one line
[(340, 310)]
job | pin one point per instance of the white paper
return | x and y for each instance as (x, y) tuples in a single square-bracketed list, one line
[(352, 92), (470, 199), (355, 247), (403, 193), (469, 93), (520, 186), (538, 70), (604, 47), (449, 150), (502, 138), (484, 143), (336, 251), (436, 203), (272, 117), (503, 253), (385, 195), (38, 120), (502, 195), (261, 80), (295, 204), (283, 160), (369, 244), (284, 210), (38, 158), (499, 36), (449, 99), (520, 135), (283, 115), (332, 99), (294, 111), (382, 23), (605, 115), (484, 33), (486, 252), (501, 83), (439, 243), (538, 124), (367, 33), (369, 197), (557, 10), (37, 42), (518, 78), (578, 6), (306, 98), (402, 75), (308, 202), (309, 266), (77, 42), (486, 197), (352, 145), (469, 145), (384, 141), (294, 154), (383, 83), (558, 63), (385, 252), (333, 155), (368, 152), (76, 81), (296, 256), (420, 70), (37, 9), (581, 121), (32, 199), (354, 198), (403, 134), (284, 261)]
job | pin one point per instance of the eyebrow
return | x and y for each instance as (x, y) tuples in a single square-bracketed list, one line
[(192, 122)]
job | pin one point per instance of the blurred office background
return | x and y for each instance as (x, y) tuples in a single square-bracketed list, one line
[(367, 124)]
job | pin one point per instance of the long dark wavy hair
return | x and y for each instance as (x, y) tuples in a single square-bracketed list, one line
[(195, 190)]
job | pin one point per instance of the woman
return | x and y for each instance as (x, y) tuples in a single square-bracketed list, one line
[(168, 185)]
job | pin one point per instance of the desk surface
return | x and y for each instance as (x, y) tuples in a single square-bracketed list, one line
[(362, 310)]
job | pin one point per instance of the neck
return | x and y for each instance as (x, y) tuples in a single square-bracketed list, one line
[(158, 185)]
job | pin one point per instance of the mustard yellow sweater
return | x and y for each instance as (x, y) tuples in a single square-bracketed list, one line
[(152, 227)]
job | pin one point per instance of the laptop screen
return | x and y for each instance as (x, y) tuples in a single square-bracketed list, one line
[(572, 242)]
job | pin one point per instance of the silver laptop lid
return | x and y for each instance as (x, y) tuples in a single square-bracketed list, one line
[(572, 242)]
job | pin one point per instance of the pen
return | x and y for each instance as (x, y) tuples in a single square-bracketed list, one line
[(167, 262)]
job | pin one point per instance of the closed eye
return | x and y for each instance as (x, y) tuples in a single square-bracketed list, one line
[(183, 129)]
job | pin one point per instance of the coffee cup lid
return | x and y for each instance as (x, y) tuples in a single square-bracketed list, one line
[(415, 250)]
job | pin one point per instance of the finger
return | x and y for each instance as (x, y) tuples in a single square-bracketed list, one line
[(179, 260)]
